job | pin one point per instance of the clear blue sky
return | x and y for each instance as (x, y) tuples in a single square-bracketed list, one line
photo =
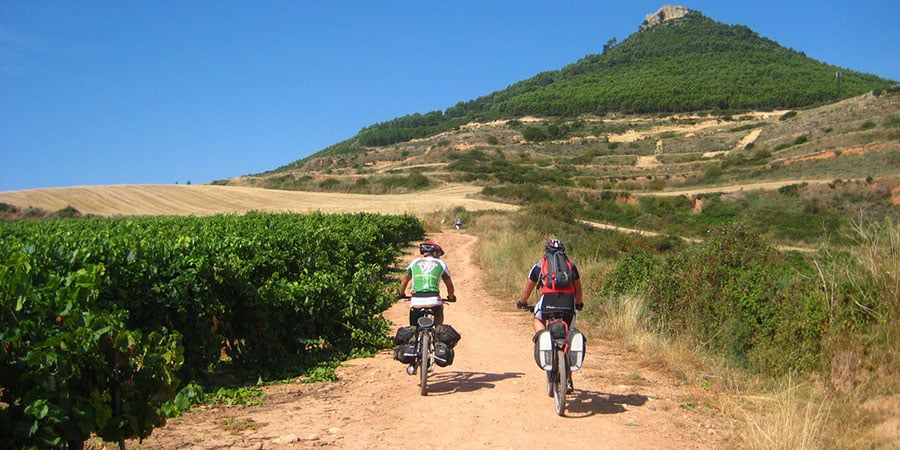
[(159, 92)]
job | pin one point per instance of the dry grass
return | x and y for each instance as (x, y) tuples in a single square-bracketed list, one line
[(201, 200), (792, 417)]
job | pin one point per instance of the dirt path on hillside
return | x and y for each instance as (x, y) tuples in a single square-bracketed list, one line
[(493, 396), (762, 185)]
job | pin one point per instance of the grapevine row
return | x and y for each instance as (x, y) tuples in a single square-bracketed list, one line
[(102, 319)]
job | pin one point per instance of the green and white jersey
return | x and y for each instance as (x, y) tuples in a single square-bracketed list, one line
[(427, 273)]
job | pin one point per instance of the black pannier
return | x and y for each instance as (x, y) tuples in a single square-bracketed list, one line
[(404, 335), (405, 353), (557, 330), (446, 334), (443, 354)]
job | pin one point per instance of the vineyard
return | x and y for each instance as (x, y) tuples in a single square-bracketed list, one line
[(102, 321)]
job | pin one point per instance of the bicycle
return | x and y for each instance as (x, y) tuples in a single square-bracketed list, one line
[(424, 344), (558, 350)]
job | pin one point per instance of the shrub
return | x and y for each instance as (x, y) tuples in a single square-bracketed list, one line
[(329, 184), (523, 193), (633, 273), (534, 134), (413, 181), (724, 295), (788, 115)]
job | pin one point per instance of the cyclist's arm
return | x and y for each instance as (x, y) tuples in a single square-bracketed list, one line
[(578, 299), (450, 289), (578, 295), (404, 282), (527, 290)]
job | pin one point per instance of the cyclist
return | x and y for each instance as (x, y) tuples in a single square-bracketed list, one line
[(426, 273), (563, 298)]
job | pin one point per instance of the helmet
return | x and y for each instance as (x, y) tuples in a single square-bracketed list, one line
[(431, 247), (555, 245)]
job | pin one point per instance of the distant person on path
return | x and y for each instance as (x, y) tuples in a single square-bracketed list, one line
[(426, 273), (458, 224), (556, 296)]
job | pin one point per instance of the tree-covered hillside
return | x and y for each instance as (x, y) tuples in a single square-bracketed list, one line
[(692, 63)]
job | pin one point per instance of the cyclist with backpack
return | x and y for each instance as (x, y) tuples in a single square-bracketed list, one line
[(426, 273), (557, 277)]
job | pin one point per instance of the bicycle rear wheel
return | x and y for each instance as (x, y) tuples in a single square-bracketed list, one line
[(559, 387), (424, 363)]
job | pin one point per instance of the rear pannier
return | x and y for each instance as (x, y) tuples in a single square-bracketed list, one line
[(576, 349), (446, 334), (405, 335), (405, 353), (443, 354)]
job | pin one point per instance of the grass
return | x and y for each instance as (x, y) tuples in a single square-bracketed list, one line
[(792, 417), (235, 425)]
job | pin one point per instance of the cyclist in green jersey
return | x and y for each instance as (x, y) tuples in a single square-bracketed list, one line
[(426, 273)]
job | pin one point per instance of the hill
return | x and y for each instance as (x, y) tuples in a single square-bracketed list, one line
[(856, 138), (678, 61)]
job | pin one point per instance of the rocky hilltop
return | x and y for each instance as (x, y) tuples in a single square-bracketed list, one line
[(667, 12)]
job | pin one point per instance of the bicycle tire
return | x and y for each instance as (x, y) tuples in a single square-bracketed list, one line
[(424, 363), (560, 385)]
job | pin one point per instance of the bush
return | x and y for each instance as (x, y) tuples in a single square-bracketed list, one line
[(727, 295), (329, 184), (788, 115), (413, 181), (534, 134)]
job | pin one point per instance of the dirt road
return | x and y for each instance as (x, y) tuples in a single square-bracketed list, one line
[(493, 396)]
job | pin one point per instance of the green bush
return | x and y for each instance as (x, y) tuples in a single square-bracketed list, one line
[(634, 273), (535, 134), (413, 181), (867, 125), (788, 115), (723, 295), (773, 312)]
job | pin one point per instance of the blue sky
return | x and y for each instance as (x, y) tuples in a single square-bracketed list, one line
[(164, 92)]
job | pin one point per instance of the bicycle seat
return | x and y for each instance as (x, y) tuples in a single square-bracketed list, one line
[(425, 322)]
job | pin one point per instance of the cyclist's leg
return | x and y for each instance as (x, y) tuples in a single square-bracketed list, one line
[(438, 314), (539, 324), (414, 314)]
